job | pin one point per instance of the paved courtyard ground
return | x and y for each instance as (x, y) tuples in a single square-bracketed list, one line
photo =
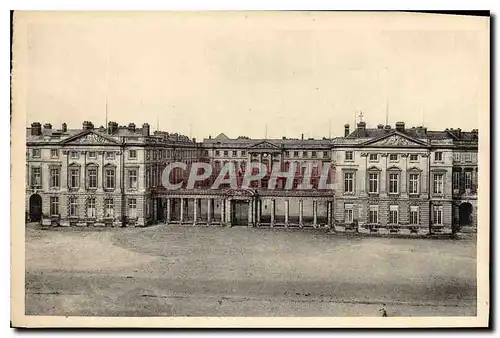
[(213, 271)]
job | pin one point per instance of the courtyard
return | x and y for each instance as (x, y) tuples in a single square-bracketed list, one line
[(214, 271)]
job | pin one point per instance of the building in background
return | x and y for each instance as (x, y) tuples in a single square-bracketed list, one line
[(386, 180)]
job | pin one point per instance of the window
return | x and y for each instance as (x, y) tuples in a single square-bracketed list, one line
[(110, 178), (108, 208), (413, 188), (73, 154), (295, 154), (243, 153), (74, 178), (55, 174), (456, 157), (349, 156), (36, 153), (373, 214), (414, 214), (36, 177), (91, 207), (325, 154), (393, 214), (438, 156), (437, 214), (132, 208), (235, 153), (456, 180), (373, 183), (467, 157), (348, 213), (225, 152), (438, 183), (468, 180), (92, 154), (110, 155), (313, 154), (132, 179), (413, 157), (393, 183), (73, 207), (217, 153), (148, 178), (54, 205), (393, 157), (92, 178), (205, 153), (287, 153), (148, 154), (304, 154), (349, 182), (54, 153), (132, 154), (374, 157)]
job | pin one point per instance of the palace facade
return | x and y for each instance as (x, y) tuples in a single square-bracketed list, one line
[(385, 180)]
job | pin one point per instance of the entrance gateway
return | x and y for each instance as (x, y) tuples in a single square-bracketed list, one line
[(239, 209), (35, 204)]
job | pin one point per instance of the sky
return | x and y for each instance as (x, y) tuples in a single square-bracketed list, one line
[(252, 73)]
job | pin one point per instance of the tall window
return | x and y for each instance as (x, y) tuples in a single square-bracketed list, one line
[(74, 178), (348, 182), (313, 154), (468, 180), (304, 154), (91, 212), (438, 183), (92, 178), (110, 178), (373, 157), (438, 156), (148, 178), (132, 208), (373, 183), (325, 154), (132, 179), (414, 214), (73, 206), (55, 174), (225, 152), (393, 214), (295, 154), (348, 213), (373, 214), (235, 153), (154, 179), (413, 188), (54, 153), (438, 214), (54, 205), (108, 208), (217, 153), (36, 177), (393, 183), (132, 154), (456, 180), (349, 155)]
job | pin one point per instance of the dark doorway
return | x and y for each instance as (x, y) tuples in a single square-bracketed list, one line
[(465, 213), (35, 208), (239, 213)]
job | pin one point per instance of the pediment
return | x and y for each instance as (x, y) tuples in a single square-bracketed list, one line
[(395, 140), (89, 138), (264, 145)]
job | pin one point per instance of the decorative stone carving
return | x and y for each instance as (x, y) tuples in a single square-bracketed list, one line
[(91, 138), (395, 140)]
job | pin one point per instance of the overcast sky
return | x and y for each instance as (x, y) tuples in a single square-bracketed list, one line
[(206, 73)]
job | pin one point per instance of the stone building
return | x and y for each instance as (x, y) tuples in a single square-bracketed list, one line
[(385, 180)]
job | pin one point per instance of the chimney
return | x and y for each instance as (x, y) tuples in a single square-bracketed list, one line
[(194, 139), (400, 127), (131, 127), (302, 136), (47, 126), (36, 129), (380, 126), (421, 131), (361, 129), (283, 137), (209, 137), (112, 127), (145, 129), (64, 127), (346, 130), (87, 125), (459, 133), (474, 134)]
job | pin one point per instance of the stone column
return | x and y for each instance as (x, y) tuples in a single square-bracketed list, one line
[(168, 211), (258, 207), (209, 211), (273, 210), (155, 209), (250, 213), (195, 210), (228, 212), (287, 205), (301, 213), (315, 214), (181, 218), (329, 214), (222, 214)]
